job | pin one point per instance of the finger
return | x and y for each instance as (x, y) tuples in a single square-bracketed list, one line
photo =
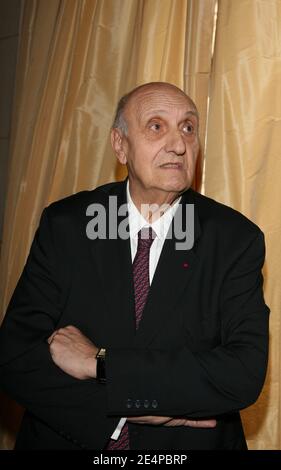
[(70, 332), (50, 339), (155, 420), (72, 328), (176, 422), (137, 419), (64, 332), (60, 334), (207, 423)]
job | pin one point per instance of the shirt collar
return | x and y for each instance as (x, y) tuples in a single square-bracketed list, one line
[(137, 221)]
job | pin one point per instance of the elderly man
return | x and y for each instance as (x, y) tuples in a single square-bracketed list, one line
[(139, 341)]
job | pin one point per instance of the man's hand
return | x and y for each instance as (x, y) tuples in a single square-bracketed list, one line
[(199, 423), (169, 421), (73, 352)]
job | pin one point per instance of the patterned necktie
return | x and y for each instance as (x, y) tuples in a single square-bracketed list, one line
[(141, 271), (141, 289)]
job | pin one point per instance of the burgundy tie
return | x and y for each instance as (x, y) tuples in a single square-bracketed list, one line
[(141, 270), (141, 289)]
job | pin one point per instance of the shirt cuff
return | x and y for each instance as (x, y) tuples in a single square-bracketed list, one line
[(118, 429)]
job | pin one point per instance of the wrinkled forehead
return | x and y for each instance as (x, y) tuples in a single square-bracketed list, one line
[(164, 100)]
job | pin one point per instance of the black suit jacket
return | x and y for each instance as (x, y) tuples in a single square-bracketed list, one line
[(200, 350)]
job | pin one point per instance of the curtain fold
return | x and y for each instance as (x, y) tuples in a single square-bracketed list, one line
[(200, 29), (243, 164)]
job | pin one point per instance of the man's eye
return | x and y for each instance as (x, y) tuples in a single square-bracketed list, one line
[(155, 126), (188, 128)]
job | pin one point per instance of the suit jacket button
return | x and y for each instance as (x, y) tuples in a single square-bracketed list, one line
[(154, 404), (129, 403), (146, 403), (137, 403)]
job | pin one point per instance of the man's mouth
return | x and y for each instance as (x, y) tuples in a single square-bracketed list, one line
[(172, 166)]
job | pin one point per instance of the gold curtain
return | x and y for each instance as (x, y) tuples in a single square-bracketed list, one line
[(76, 58), (243, 161)]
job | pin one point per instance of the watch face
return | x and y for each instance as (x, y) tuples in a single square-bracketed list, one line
[(101, 353), (101, 376)]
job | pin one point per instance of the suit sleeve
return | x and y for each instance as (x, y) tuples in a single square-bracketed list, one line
[(208, 383), (73, 408)]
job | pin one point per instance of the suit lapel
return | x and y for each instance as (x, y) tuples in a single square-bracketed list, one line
[(112, 258), (173, 273)]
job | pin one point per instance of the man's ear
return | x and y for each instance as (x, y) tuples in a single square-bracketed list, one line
[(119, 145)]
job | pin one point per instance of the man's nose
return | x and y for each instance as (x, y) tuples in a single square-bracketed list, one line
[(175, 143)]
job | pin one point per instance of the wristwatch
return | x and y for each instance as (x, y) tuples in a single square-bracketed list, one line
[(101, 378)]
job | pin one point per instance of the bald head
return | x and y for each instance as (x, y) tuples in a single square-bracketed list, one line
[(146, 90)]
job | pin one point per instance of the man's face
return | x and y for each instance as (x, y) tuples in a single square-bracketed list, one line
[(162, 144)]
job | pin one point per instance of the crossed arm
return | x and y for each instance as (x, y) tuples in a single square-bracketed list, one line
[(75, 354)]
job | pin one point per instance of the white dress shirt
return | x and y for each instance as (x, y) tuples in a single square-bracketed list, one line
[(160, 227)]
